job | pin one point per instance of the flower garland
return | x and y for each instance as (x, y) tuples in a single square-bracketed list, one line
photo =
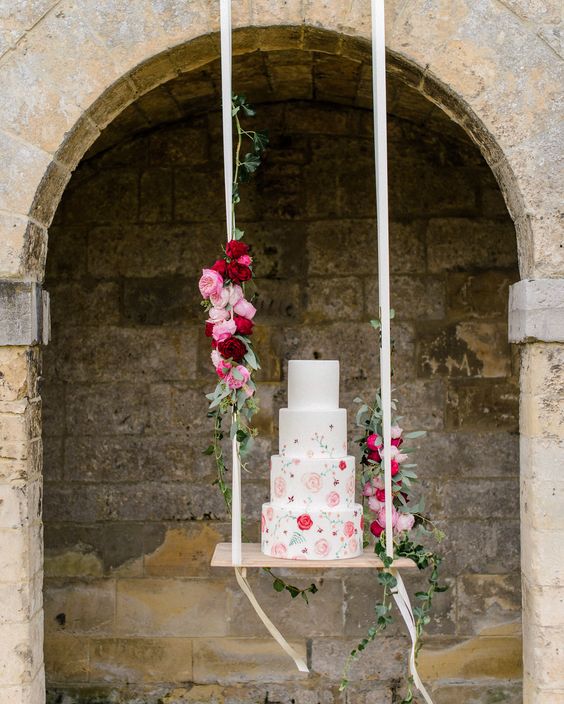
[(407, 520), (229, 325)]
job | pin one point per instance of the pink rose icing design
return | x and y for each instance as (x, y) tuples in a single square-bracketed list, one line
[(279, 487), (353, 544), (262, 522), (313, 481), (322, 547), (348, 529), (279, 550), (269, 513), (333, 499), (350, 486)]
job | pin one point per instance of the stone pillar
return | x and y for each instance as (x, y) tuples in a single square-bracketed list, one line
[(21, 540), (536, 322)]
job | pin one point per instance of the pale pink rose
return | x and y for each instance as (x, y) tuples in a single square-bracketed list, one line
[(382, 517), (235, 294), (396, 455), (216, 358), (220, 299), (279, 550), (348, 529), (269, 513), (211, 283), (312, 482), (350, 486), (353, 544), (238, 383), (333, 499), (405, 521), (321, 547), (377, 482), (368, 489), (224, 330), (396, 431), (245, 259), (217, 315), (374, 504), (279, 487), (245, 309)]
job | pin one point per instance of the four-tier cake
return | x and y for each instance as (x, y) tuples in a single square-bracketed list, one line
[(312, 514)]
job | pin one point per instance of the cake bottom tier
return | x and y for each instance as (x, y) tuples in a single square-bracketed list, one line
[(327, 534)]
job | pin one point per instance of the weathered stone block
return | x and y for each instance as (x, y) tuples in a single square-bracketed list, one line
[(186, 551), (482, 405), (328, 657), (140, 660), (480, 294), (21, 651), (488, 602), (172, 607), (111, 198), (66, 657), (80, 607), (119, 409), (19, 367), (235, 660), (331, 300)]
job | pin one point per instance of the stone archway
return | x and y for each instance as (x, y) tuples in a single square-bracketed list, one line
[(443, 49)]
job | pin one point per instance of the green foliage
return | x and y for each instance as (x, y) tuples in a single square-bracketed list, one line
[(279, 585)]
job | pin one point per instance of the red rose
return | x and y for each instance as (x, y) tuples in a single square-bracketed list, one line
[(232, 348), (376, 529), (220, 266), (214, 344), (236, 249), (395, 468), (238, 272), (304, 522), (374, 455), (397, 441), (342, 464), (374, 442), (380, 494), (209, 328), (244, 325)]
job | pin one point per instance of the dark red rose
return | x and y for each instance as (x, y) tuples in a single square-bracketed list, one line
[(220, 266), (238, 272), (214, 344), (395, 468), (375, 456), (244, 325), (397, 441), (236, 249), (209, 328), (232, 348), (380, 494), (376, 529), (304, 522)]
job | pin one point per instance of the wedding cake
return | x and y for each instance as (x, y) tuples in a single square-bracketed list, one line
[(312, 514)]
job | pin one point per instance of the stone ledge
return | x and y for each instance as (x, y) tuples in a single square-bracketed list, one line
[(536, 310), (24, 313)]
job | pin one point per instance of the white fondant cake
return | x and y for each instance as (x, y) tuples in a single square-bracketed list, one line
[(312, 514)]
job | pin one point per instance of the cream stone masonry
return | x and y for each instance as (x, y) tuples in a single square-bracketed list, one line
[(68, 68), (536, 311)]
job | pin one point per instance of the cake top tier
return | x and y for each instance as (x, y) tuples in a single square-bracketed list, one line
[(313, 384)]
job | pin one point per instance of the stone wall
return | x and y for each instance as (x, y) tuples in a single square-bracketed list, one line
[(131, 604)]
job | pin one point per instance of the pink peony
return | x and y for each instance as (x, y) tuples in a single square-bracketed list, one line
[(312, 482), (382, 517), (223, 330), (245, 259), (237, 382), (217, 315), (374, 503), (321, 547), (220, 299), (374, 442), (279, 550), (348, 529), (333, 499), (405, 521), (279, 486), (245, 309), (211, 283)]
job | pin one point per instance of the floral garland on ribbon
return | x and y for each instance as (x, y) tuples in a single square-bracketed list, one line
[(229, 325), (408, 521)]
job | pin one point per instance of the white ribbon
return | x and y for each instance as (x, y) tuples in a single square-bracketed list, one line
[(241, 575), (381, 166)]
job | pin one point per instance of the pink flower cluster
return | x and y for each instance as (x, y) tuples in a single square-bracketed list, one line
[(374, 489), (230, 315)]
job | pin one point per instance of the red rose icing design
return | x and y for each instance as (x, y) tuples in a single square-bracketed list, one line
[(304, 522), (342, 464)]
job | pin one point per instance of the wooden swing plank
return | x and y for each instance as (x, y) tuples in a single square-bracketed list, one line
[(253, 557)]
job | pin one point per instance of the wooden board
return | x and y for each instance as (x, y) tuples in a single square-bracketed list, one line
[(253, 557)]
